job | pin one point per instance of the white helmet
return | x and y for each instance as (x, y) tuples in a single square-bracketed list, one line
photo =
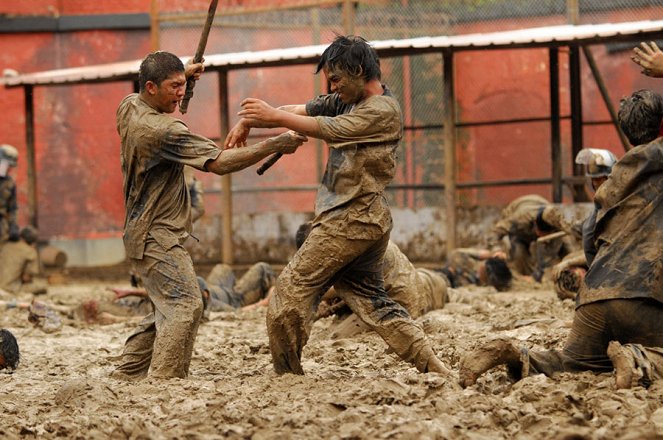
[(9, 153), (598, 162)]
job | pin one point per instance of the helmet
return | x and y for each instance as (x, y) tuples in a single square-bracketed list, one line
[(9, 153), (598, 162)]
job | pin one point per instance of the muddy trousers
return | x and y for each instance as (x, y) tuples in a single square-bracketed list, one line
[(635, 323), (354, 268), (163, 342)]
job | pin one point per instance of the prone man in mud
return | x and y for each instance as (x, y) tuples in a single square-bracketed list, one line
[(362, 124), (155, 149), (617, 323), (419, 290)]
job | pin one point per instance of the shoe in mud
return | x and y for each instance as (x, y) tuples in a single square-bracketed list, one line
[(498, 352)]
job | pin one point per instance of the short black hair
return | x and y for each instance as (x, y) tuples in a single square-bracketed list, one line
[(302, 232), (640, 116), (157, 67), (541, 224), (29, 234), (353, 55), (9, 349), (498, 274)]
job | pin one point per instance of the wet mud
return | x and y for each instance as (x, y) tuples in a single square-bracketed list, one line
[(353, 388)]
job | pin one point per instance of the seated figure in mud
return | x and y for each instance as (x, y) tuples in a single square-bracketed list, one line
[(419, 290), (617, 323), (477, 266), (9, 353), (567, 275), (19, 265)]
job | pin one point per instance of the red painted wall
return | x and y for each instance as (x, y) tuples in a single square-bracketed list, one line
[(78, 169)]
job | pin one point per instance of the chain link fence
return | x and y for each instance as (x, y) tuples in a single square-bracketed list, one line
[(415, 80)]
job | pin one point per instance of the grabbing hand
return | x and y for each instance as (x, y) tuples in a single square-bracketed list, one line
[(289, 141), (650, 58), (194, 70), (237, 136), (259, 110)]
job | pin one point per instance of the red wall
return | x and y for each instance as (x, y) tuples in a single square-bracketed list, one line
[(78, 171)]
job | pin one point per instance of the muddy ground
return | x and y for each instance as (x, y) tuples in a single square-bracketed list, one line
[(353, 389)]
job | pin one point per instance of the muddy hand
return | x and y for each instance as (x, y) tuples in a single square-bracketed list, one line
[(194, 70), (237, 136), (650, 58), (257, 109), (289, 141)]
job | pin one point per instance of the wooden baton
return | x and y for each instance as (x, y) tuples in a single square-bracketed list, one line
[(198, 57), (268, 163)]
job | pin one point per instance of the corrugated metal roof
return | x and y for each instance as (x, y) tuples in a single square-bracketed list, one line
[(532, 37)]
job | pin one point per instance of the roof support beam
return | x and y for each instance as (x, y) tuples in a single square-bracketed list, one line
[(31, 159), (555, 125), (227, 248), (449, 102)]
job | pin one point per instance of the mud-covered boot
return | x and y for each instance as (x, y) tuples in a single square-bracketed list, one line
[(624, 363), (498, 352)]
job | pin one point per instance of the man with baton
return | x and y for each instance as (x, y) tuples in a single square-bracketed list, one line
[(155, 149), (362, 124)]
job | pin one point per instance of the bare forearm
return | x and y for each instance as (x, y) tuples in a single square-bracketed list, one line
[(306, 125)]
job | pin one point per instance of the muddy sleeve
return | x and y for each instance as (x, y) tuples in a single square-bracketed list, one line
[(588, 242), (366, 124), (181, 146), (325, 105)]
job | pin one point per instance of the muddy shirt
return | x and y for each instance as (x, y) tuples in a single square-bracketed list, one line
[(8, 206), (155, 147), (517, 221), (17, 258), (363, 139), (418, 290), (568, 218), (628, 230)]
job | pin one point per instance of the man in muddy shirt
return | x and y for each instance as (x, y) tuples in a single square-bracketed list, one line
[(155, 148), (517, 222), (621, 300), (362, 124)]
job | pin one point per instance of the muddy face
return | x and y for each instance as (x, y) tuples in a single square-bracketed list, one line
[(166, 96), (350, 88)]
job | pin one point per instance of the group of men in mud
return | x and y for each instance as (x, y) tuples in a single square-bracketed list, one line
[(347, 247), (345, 257)]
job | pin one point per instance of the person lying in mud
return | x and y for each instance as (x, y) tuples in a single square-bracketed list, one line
[(222, 291), (419, 290), (362, 123), (567, 275), (480, 267), (617, 323), (9, 352), (117, 305)]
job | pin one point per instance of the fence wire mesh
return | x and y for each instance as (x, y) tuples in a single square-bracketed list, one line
[(416, 80)]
